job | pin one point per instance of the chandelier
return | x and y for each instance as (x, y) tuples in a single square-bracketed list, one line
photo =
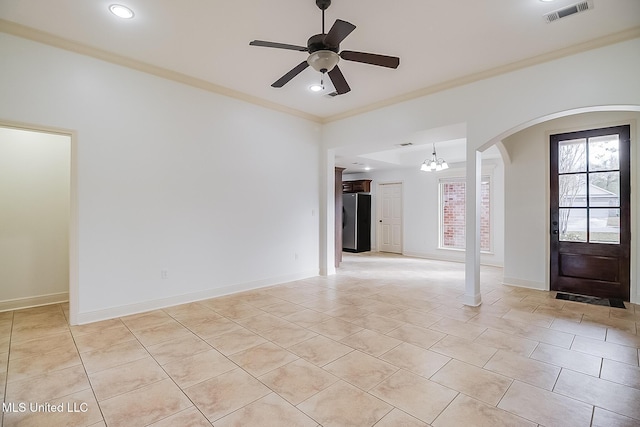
[(434, 164)]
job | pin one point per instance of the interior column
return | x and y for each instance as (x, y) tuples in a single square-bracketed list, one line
[(327, 212), (472, 295)]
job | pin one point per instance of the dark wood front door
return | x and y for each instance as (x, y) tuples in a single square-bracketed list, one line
[(590, 212)]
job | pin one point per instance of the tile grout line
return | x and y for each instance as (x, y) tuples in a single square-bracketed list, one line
[(125, 363), (273, 391), (6, 379), (73, 337), (286, 349), (167, 374), (230, 360)]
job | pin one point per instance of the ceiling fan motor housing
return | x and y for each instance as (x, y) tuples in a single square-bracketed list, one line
[(316, 43), (323, 4)]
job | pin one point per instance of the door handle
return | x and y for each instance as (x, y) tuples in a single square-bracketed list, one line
[(555, 231)]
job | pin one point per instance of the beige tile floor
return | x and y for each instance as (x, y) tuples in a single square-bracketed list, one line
[(386, 342)]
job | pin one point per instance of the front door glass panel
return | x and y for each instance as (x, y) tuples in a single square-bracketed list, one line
[(589, 178)]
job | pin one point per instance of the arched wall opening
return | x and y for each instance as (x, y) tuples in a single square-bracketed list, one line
[(525, 150)]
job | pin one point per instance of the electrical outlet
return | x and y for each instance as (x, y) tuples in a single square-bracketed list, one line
[(164, 274)]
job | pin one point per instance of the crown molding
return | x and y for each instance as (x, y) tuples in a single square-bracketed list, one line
[(72, 46), (66, 44), (629, 34)]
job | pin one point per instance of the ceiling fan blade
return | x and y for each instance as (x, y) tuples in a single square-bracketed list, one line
[(340, 30), (291, 74), (338, 80), (370, 58), (262, 43)]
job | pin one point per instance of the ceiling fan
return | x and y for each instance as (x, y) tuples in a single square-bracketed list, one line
[(324, 53)]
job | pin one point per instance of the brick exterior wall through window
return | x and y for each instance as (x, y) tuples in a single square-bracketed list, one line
[(452, 204)]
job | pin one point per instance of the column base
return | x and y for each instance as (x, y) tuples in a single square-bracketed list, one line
[(472, 300)]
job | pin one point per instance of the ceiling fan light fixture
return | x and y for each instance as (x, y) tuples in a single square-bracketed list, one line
[(315, 87), (323, 60)]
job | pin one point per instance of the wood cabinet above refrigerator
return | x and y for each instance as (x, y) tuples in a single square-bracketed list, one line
[(357, 186)]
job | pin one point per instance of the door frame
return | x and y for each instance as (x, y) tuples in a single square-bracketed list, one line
[(631, 265), (73, 208), (379, 214)]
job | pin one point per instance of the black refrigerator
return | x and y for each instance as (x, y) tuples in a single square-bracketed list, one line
[(356, 222)]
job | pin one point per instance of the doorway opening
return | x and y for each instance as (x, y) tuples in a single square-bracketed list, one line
[(37, 217)]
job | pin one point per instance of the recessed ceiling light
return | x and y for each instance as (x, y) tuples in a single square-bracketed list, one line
[(121, 11), (315, 88)]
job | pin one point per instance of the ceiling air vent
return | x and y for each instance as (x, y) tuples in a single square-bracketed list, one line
[(583, 6)]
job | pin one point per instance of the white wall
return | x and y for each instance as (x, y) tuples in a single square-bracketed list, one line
[(172, 178), (420, 200), (527, 195), (34, 218)]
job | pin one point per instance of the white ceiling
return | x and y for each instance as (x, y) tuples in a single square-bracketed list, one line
[(437, 41), (449, 143), (453, 151)]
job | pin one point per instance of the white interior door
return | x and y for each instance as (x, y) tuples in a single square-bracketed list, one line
[(390, 218)]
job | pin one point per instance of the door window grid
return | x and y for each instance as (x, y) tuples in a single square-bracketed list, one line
[(589, 189)]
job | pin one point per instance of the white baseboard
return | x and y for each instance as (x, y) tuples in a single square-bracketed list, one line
[(20, 303), (126, 310), (435, 257), (442, 257), (521, 283)]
